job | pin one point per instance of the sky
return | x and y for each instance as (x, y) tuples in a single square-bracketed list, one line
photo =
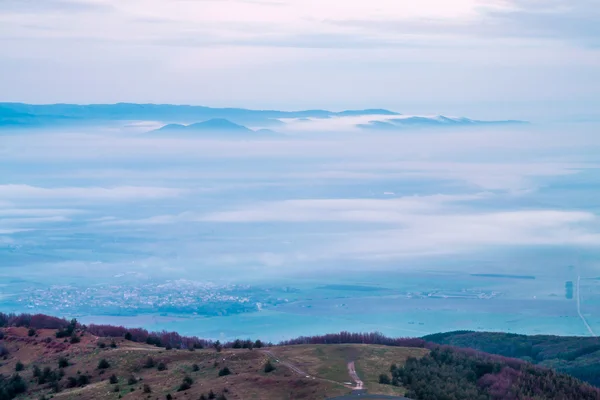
[(528, 59)]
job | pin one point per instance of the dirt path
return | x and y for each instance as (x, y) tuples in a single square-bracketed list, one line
[(286, 364), (354, 376), (297, 370), (79, 390)]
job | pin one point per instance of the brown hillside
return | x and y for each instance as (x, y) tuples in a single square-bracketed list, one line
[(129, 362)]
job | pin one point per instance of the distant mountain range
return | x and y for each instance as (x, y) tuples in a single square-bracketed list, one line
[(436, 121), (184, 118), (212, 125), (30, 115)]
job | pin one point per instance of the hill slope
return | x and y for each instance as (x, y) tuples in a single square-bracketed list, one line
[(47, 356), (577, 356), (138, 368)]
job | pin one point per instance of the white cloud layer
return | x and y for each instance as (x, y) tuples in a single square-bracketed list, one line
[(122, 193)]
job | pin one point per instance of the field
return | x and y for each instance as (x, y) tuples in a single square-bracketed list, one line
[(330, 362), (139, 378)]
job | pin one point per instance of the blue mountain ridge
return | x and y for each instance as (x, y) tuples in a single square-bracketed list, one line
[(21, 115), (439, 121), (212, 125), (31, 115)]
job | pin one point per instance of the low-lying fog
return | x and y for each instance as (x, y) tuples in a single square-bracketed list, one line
[(314, 204)]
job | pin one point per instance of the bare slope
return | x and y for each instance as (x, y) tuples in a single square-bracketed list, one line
[(138, 368)]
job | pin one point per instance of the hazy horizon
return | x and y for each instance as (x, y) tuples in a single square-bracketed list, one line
[(489, 59), (448, 216)]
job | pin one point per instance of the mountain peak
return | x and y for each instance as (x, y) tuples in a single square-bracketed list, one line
[(220, 124), (211, 125)]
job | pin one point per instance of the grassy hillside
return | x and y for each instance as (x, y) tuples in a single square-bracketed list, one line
[(113, 368), (577, 356), (44, 357), (330, 362)]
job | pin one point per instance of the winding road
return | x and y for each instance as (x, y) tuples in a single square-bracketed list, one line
[(354, 376), (589, 328)]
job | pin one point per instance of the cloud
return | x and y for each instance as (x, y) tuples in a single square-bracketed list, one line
[(36, 212), (330, 23), (340, 210), (427, 51), (469, 233), (555, 19), (489, 176), (558, 20), (419, 226), (119, 193), (45, 6)]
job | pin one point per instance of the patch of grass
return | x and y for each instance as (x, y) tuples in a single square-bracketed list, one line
[(330, 362)]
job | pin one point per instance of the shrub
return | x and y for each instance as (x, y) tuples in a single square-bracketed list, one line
[(31, 332), (384, 379), (71, 382), (55, 387), (74, 339), (68, 331), (63, 362), (147, 388), (3, 351), (113, 379), (128, 336), (46, 375), (212, 395), (150, 363), (131, 380), (103, 364), (169, 397), (153, 340), (186, 384), (83, 380), (116, 389), (113, 344), (202, 397), (102, 345), (195, 368), (161, 366), (224, 371), (269, 367), (19, 366), (12, 387)]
